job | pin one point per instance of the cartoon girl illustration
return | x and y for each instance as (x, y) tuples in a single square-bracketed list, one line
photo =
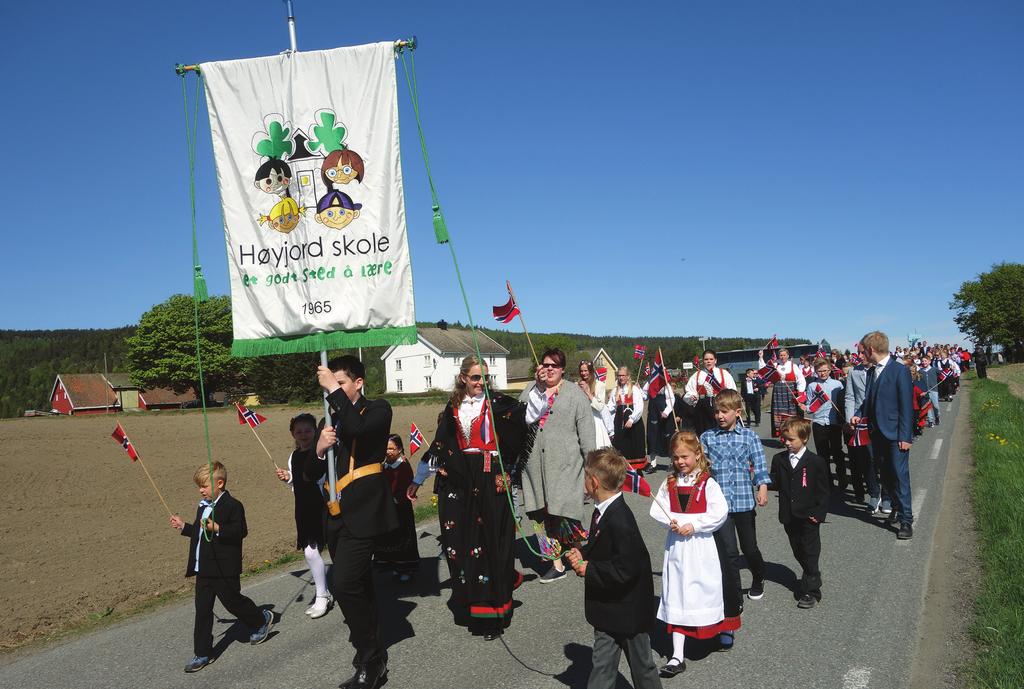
[(336, 210), (284, 216), (273, 177), (341, 167)]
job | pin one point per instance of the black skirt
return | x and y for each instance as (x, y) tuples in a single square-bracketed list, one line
[(310, 511)]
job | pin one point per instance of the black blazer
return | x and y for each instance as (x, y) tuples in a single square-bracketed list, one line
[(796, 501), (619, 589), (367, 507), (221, 555)]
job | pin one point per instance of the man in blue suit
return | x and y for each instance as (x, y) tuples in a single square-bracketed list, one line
[(889, 410)]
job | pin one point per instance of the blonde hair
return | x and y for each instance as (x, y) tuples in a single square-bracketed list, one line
[(691, 442), (728, 400), (459, 392), (608, 466), (802, 428), (876, 340), (202, 475)]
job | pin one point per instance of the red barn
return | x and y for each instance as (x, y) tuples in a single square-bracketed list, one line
[(83, 393)]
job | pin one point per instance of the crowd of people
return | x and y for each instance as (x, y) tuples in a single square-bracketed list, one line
[(536, 460)]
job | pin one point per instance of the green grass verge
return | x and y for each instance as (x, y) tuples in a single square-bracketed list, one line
[(997, 419)]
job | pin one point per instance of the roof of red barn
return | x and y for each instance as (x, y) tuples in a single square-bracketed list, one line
[(86, 390)]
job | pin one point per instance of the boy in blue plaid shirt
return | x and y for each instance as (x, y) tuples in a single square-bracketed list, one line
[(738, 465)]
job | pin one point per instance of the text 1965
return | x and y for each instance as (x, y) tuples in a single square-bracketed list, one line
[(312, 307)]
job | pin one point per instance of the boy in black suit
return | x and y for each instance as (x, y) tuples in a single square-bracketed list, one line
[(619, 589), (364, 511), (803, 483), (215, 555)]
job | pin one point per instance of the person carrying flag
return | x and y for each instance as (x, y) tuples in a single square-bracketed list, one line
[(661, 423), (477, 525), (626, 405), (786, 391), (826, 423), (863, 468), (703, 387)]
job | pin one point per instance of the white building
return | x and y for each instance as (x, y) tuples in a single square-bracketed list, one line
[(433, 362)]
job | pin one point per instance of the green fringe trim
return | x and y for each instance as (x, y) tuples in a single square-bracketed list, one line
[(342, 339)]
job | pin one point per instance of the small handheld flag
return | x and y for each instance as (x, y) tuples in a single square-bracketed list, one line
[(248, 416), (639, 351), (636, 483), (416, 439), (658, 377), (602, 373), (801, 397), (122, 439), (768, 374), (774, 342), (506, 312), (860, 436), (818, 400)]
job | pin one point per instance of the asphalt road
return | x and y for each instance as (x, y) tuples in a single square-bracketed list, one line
[(862, 636)]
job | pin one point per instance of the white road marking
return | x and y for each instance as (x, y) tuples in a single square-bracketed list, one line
[(936, 448), (918, 501), (949, 405), (857, 678)]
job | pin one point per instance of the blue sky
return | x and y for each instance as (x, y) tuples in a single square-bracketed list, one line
[(823, 168)]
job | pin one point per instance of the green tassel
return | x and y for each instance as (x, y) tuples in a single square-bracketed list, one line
[(199, 285), (440, 229)]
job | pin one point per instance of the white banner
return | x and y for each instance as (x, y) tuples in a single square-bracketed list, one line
[(309, 169)]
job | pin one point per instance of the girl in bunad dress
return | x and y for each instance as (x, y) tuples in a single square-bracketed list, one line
[(626, 405), (784, 393), (691, 582), (595, 390), (398, 550)]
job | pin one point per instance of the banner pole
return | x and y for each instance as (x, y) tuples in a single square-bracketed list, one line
[(522, 322), (332, 477)]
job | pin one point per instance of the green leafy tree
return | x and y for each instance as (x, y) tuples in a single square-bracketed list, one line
[(328, 134), (277, 143), (991, 308), (162, 353)]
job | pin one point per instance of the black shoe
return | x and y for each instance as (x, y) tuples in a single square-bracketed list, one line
[(650, 469), (552, 575), (756, 590), (905, 533), (672, 668), (367, 678), (726, 641), (806, 602), (198, 663)]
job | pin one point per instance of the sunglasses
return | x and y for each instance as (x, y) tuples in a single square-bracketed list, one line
[(476, 378), (547, 365)]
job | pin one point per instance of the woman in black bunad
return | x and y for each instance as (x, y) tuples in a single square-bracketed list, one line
[(473, 508)]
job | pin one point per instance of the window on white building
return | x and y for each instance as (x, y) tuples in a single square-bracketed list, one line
[(398, 364), (426, 360), (490, 360), (398, 384), (427, 379)]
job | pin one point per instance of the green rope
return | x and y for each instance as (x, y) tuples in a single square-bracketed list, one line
[(199, 293), (443, 237)]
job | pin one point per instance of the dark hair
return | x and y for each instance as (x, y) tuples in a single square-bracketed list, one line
[(398, 442), (555, 353), (302, 418), (709, 351), (273, 165), (352, 366)]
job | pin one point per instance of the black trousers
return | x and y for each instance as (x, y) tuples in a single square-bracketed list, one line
[(828, 444), (741, 525), (352, 575), (753, 406), (229, 591), (704, 415), (805, 540), (864, 471)]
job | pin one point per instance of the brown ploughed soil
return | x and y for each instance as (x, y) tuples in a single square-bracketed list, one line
[(82, 532)]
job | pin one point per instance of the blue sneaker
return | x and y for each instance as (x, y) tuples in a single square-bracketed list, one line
[(261, 634), (198, 663), (725, 641)]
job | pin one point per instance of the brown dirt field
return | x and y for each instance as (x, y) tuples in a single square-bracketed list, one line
[(82, 529)]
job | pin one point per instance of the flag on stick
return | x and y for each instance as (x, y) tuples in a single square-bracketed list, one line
[(506, 312), (248, 416), (818, 399), (416, 439), (658, 377), (636, 483), (602, 373), (122, 439), (768, 374), (860, 436), (639, 352)]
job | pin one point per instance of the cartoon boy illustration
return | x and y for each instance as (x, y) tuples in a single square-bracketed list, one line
[(341, 167), (284, 216), (336, 210), (273, 177)]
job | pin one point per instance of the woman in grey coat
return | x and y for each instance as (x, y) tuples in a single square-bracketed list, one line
[(561, 415)]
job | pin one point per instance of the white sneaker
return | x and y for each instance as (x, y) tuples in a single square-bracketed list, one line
[(320, 608)]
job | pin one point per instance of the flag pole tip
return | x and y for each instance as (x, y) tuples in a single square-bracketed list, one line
[(403, 43)]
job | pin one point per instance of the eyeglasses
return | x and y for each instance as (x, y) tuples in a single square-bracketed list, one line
[(476, 378), (548, 365)]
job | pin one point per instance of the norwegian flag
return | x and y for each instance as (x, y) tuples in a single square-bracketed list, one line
[(837, 372), (122, 439), (506, 312), (416, 439), (860, 436), (696, 360), (818, 400), (602, 373), (945, 373), (248, 416), (768, 374), (924, 405), (774, 342), (711, 383), (821, 353), (801, 397), (636, 483), (658, 377), (639, 352), (647, 371)]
